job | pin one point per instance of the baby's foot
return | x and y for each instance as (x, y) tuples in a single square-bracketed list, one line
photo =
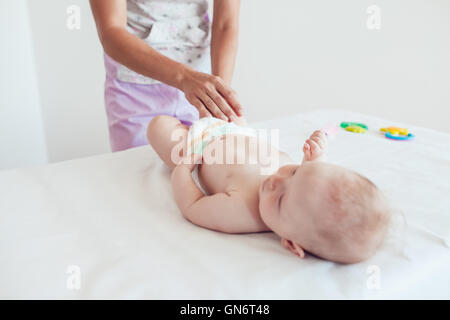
[(314, 148)]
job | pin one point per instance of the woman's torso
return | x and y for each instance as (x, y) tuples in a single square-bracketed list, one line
[(178, 29)]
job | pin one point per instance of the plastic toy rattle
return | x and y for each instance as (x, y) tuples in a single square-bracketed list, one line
[(354, 127), (330, 130), (397, 133)]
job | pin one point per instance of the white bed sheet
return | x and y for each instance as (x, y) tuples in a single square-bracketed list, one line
[(114, 217)]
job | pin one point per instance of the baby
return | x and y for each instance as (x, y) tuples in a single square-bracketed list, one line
[(315, 207)]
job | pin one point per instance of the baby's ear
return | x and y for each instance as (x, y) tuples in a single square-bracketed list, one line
[(295, 248)]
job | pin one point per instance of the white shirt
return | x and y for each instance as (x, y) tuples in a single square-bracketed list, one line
[(179, 29)]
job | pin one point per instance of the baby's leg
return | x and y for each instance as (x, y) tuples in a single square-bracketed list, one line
[(167, 135)]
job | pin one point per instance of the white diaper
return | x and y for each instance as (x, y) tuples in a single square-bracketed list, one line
[(206, 129)]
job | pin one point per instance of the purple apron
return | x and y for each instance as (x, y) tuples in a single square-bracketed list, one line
[(178, 29)]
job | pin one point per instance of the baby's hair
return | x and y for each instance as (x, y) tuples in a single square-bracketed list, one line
[(359, 209), (396, 225)]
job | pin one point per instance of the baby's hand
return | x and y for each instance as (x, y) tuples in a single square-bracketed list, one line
[(314, 147)]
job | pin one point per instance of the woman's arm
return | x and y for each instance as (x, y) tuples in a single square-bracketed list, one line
[(224, 39), (111, 19), (208, 93)]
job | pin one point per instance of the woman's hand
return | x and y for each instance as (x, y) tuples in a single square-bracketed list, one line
[(211, 95)]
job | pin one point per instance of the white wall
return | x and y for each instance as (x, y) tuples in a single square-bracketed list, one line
[(71, 78), (306, 54), (22, 140), (294, 56)]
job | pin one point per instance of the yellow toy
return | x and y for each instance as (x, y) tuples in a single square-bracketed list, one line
[(396, 130), (356, 129), (396, 133)]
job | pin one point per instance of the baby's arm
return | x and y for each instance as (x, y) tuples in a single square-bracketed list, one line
[(221, 211)]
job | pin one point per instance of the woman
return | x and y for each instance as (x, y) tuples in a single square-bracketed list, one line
[(158, 57)]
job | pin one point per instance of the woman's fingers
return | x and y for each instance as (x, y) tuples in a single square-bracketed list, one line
[(210, 93), (223, 105), (212, 107), (230, 96), (202, 110)]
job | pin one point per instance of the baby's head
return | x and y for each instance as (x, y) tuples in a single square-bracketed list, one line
[(326, 210)]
